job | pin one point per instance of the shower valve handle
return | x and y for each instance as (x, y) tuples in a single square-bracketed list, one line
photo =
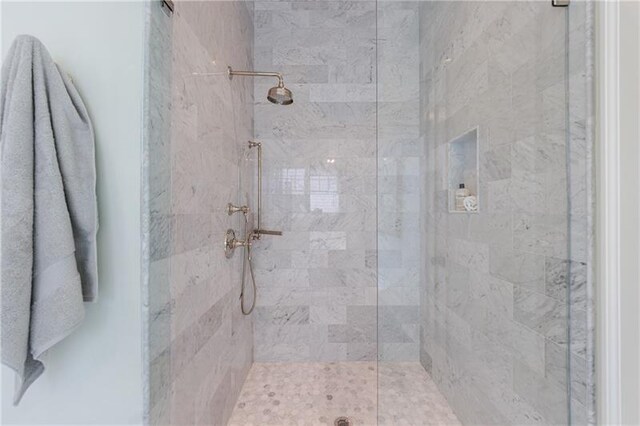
[(239, 243), (257, 233), (231, 209), (231, 243)]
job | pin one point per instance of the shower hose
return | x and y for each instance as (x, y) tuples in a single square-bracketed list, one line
[(247, 259)]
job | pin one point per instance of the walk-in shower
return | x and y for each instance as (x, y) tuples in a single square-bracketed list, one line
[(431, 187)]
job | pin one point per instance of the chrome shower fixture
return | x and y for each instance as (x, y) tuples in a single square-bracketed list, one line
[(258, 232), (231, 243), (279, 94), (231, 209)]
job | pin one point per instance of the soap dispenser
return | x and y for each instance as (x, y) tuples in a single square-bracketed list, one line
[(461, 194)]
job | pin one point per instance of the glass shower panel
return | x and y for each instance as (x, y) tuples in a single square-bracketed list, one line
[(199, 346), (482, 172), (577, 270), (400, 155)]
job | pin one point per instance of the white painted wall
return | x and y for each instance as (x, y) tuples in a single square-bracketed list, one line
[(95, 375), (630, 211), (618, 219)]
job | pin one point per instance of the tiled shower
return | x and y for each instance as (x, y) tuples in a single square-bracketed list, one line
[(382, 302)]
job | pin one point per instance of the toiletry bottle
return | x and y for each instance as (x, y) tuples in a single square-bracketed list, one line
[(461, 194)]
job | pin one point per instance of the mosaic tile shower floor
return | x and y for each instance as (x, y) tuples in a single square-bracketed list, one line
[(318, 393)]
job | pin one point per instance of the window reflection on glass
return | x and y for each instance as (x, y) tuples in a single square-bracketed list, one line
[(292, 181), (324, 194)]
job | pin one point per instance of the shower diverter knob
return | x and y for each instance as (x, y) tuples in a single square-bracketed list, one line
[(231, 243)]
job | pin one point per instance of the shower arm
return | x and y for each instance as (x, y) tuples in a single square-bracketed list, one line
[(231, 72)]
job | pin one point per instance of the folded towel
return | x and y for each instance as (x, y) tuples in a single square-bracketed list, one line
[(49, 210)]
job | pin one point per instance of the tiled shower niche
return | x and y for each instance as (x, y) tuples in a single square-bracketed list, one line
[(463, 168)]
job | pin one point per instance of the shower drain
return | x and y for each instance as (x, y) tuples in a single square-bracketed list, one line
[(343, 421)]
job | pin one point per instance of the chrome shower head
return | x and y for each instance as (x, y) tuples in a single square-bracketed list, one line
[(280, 95)]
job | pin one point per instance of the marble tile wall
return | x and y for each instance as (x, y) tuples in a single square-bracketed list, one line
[(199, 343), (317, 283), (494, 323)]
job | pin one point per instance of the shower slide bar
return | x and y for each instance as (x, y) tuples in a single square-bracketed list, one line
[(231, 209), (258, 232)]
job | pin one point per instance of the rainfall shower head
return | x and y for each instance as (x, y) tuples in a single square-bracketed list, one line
[(279, 95)]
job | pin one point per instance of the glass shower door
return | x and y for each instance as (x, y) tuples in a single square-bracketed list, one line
[(482, 212)]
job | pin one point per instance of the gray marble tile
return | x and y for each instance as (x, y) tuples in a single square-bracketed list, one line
[(310, 259), (520, 341), (558, 273), (540, 234), (520, 268), (352, 277), (161, 236), (282, 315), (556, 368), (496, 163), (357, 351), (330, 314), (495, 229), (192, 231), (352, 333), (544, 394), (160, 377), (398, 352), (281, 352), (192, 339), (498, 198), (469, 254), (541, 313), (282, 277)]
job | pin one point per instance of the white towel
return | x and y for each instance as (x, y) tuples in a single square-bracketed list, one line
[(49, 210)]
